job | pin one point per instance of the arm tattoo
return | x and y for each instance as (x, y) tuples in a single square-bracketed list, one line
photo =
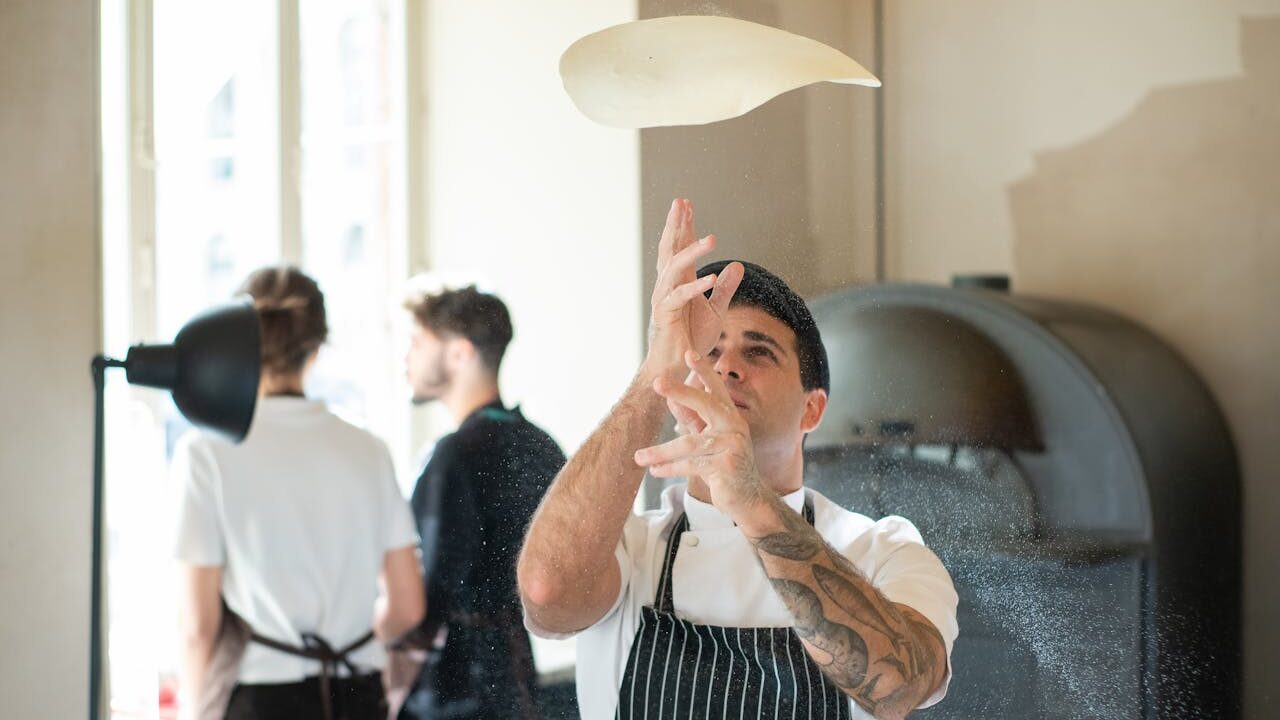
[(848, 664), (894, 663), (865, 695), (907, 639), (798, 541), (924, 662), (912, 666), (855, 602), (790, 546)]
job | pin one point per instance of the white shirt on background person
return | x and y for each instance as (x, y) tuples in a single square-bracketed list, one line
[(299, 516)]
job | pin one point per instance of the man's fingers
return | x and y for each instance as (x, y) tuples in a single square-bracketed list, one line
[(685, 235), (683, 447), (726, 285), (692, 380), (705, 370), (687, 421), (667, 242), (681, 267), (680, 296), (681, 468), (713, 411), (687, 256)]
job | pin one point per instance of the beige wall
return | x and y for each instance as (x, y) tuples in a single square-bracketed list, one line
[(49, 330), (525, 194), (1125, 154)]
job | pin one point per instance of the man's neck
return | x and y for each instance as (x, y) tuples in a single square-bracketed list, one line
[(277, 384), (466, 398)]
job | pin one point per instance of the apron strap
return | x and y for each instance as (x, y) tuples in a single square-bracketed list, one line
[(664, 600), (315, 647)]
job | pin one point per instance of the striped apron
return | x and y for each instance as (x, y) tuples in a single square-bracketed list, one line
[(683, 670)]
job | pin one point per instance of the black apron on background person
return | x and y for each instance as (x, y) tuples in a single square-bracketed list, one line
[(680, 669), (326, 696)]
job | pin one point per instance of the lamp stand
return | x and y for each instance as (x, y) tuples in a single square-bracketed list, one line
[(99, 368)]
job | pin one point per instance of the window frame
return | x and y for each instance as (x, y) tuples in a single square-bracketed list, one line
[(133, 214)]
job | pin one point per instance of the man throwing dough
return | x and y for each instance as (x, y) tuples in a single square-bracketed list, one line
[(745, 594)]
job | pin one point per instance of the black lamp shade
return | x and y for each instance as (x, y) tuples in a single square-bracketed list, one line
[(212, 368)]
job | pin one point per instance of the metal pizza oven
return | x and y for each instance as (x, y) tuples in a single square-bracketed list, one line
[(1074, 475)]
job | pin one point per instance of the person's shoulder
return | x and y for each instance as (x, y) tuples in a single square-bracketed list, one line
[(491, 421), (841, 526), (338, 429), (447, 446), (540, 442), (447, 453), (196, 442), (538, 433), (492, 428), (831, 516), (192, 439)]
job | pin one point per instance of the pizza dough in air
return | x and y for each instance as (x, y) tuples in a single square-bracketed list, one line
[(690, 70)]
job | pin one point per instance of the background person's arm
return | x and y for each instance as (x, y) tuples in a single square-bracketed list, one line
[(400, 605), (199, 620), (451, 529)]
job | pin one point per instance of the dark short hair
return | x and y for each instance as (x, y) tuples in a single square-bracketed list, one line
[(764, 290), (291, 311), (479, 317)]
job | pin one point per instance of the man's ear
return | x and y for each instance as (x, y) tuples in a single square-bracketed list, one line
[(459, 352), (815, 406)]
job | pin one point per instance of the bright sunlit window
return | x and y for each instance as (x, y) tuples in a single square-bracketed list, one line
[(247, 132), (238, 134)]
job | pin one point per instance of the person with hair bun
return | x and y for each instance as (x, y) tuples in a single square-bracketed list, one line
[(298, 537)]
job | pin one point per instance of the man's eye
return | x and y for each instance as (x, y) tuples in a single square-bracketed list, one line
[(761, 352), (715, 352)]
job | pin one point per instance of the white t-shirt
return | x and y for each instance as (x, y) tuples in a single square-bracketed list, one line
[(717, 580), (300, 516)]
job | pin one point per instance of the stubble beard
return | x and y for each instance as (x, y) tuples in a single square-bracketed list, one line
[(436, 386)]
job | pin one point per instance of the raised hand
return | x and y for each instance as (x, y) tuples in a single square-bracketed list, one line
[(687, 421), (720, 453), (681, 317)]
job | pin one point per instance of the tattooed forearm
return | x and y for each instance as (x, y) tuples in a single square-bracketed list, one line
[(893, 662), (790, 545), (927, 639), (845, 621), (868, 699), (798, 541), (855, 601), (848, 664)]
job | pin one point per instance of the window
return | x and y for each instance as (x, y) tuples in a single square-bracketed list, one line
[(238, 134), (349, 159), (241, 133)]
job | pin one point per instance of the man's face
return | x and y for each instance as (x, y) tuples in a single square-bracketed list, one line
[(424, 365), (756, 356)]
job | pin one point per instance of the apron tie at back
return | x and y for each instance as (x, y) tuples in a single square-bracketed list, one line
[(315, 647)]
